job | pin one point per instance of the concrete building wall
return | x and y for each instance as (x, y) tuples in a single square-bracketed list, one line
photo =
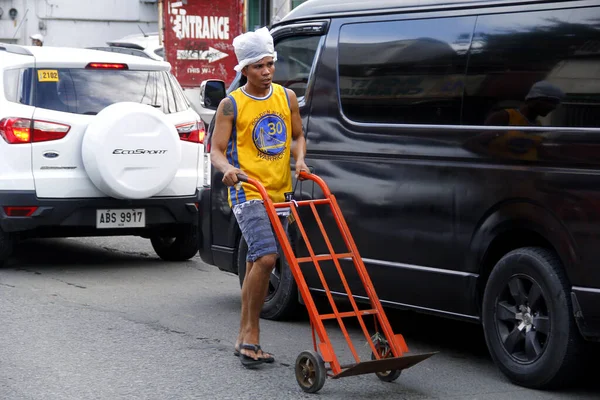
[(76, 23), (279, 8)]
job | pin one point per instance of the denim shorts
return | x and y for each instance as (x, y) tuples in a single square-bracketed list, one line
[(257, 230)]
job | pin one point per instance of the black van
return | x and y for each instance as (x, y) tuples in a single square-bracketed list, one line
[(462, 141)]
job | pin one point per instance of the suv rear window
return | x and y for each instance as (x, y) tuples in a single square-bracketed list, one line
[(88, 91)]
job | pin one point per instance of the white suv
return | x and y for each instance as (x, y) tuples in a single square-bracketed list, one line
[(97, 144)]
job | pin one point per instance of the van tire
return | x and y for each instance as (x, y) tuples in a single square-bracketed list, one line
[(182, 247), (282, 303), (549, 321), (7, 245)]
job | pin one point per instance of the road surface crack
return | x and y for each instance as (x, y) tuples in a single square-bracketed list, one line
[(55, 279)]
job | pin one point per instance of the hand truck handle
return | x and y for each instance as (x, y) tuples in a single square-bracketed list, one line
[(242, 178), (303, 175)]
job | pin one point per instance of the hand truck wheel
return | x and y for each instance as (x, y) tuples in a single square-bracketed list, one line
[(310, 371), (387, 376)]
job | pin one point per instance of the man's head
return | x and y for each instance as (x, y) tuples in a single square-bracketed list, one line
[(256, 56), (37, 40), (260, 74), (543, 98)]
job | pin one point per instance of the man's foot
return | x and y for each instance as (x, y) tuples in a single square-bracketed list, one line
[(253, 352)]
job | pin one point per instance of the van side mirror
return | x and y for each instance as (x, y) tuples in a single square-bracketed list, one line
[(211, 93)]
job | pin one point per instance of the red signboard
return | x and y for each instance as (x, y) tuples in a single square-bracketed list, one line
[(198, 37)]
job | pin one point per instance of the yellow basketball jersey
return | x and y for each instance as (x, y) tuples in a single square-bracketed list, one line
[(515, 143), (260, 143)]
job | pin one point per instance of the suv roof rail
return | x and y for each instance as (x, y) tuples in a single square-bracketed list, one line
[(15, 48)]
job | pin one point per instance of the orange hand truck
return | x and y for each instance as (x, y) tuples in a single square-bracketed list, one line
[(387, 357)]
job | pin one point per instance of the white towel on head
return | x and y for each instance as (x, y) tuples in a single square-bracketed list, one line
[(251, 47)]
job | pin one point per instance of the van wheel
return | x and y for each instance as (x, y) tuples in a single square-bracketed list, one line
[(528, 320), (181, 247), (281, 301), (7, 245)]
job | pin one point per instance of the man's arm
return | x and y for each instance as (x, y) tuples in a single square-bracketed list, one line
[(298, 141), (219, 141), (480, 143)]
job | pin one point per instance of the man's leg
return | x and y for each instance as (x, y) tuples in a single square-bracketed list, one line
[(262, 250), (244, 312), (256, 291), (256, 285)]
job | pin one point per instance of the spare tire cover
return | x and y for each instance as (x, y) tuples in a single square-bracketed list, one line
[(131, 151)]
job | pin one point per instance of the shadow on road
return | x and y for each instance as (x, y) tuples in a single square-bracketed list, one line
[(59, 253)]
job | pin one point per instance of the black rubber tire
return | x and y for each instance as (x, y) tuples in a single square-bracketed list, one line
[(179, 248), (7, 245), (387, 376), (555, 342), (282, 303), (310, 371)]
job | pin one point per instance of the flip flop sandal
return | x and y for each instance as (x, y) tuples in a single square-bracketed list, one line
[(247, 361), (268, 360)]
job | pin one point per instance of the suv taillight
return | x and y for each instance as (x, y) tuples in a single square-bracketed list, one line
[(95, 65), (23, 130), (19, 211), (192, 132)]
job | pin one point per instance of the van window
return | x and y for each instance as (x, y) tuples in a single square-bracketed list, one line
[(295, 57), (404, 72), (536, 68)]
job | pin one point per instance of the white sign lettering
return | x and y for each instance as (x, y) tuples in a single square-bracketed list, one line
[(210, 55), (203, 70), (198, 27)]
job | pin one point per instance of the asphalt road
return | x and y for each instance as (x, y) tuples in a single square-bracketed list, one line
[(106, 319)]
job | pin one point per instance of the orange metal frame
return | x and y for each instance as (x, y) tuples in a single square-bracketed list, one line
[(396, 343)]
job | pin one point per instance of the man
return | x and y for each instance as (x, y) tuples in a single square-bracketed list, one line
[(257, 129), (542, 99), (37, 40)]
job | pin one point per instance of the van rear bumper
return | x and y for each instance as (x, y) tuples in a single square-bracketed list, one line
[(77, 217), (586, 306)]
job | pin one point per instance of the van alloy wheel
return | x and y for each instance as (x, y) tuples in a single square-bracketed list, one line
[(522, 319), (528, 321)]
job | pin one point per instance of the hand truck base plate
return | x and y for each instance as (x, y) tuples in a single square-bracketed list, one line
[(382, 365)]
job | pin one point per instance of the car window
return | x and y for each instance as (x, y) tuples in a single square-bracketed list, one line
[(88, 91), (181, 102), (404, 72), (295, 57), (536, 68), (167, 92), (11, 85)]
